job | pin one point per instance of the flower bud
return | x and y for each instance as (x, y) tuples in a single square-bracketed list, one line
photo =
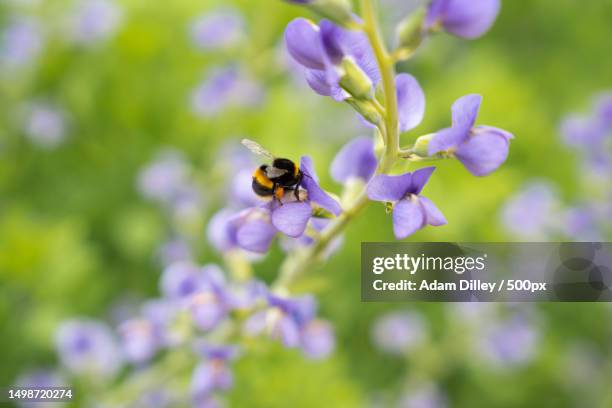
[(355, 81), (410, 33), (365, 109), (421, 146)]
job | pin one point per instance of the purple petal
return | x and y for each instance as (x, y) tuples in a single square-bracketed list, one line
[(318, 340), (465, 111), (433, 216), (318, 82), (408, 217), (355, 159), (419, 179), (256, 236), (410, 100), (485, 151), (288, 332), (316, 193), (447, 139), (302, 38), (291, 218), (389, 188), (331, 36), (470, 18)]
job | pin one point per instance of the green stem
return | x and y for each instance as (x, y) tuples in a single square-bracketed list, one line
[(387, 72), (299, 263)]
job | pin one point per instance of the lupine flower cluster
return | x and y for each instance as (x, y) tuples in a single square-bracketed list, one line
[(206, 313), (23, 41), (503, 338), (538, 212), (231, 85)]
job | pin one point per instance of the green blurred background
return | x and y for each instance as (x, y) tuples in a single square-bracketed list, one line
[(76, 237)]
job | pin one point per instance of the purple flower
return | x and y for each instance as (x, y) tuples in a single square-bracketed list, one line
[(254, 229), (399, 332), (285, 319), (411, 211), (213, 374), (509, 342), (356, 160), (603, 109), (181, 280), (251, 230), (162, 314), (291, 218), (533, 213), (94, 20), (585, 133), (88, 347), (211, 303), (463, 18), (317, 339), (481, 149), (174, 250), (161, 179), (40, 378), (321, 49), (45, 125), (426, 396), (20, 43), (581, 224), (222, 28), (140, 340), (223, 88)]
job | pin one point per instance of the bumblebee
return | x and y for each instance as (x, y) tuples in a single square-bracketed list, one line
[(275, 180)]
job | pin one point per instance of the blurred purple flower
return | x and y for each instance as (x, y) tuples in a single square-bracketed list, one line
[(481, 149), (223, 88), (321, 49), (212, 374), (426, 396), (40, 378), (218, 29), (140, 340), (356, 160), (212, 302), (174, 250), (603, 109), (45, 125), (533, 213), (162, 314), (21, 42), (187, 202), (287, 320), (581, 224), (585, 133), (411, 211), (88, 347), (181, 280), (317, 339), (463, 18), (399, 332), (161, 179), (94, 20), (508, 342)]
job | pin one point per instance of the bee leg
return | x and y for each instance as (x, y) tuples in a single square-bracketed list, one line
[(296, 191), (278, 194)]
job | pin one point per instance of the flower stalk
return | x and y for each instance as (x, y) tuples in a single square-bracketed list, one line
[(297, 264)]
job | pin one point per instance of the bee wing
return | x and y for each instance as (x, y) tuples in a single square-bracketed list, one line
[(273, 172), (256, 148)]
